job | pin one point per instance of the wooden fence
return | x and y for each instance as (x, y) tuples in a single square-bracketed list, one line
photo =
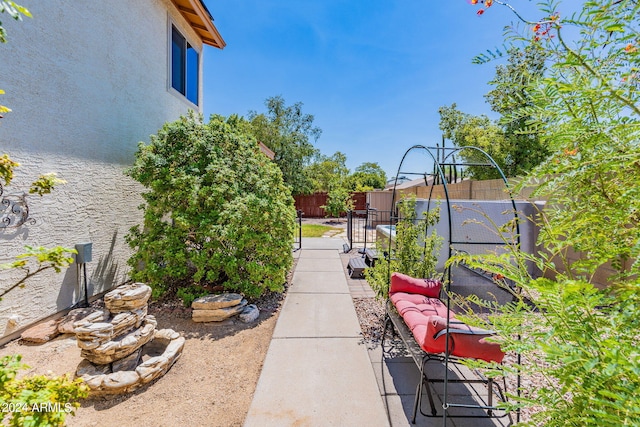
[(310, 204)]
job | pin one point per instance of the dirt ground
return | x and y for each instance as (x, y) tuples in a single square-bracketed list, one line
[(212, 383)]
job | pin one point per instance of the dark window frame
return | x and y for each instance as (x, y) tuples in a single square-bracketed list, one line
[(184, 67)]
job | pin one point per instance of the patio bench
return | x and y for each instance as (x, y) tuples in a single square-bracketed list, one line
[(356, 267), (427, 327)]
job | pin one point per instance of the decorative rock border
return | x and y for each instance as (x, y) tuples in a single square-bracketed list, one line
[(103, 381), (121, 347)]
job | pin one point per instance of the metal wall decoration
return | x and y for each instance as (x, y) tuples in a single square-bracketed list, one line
[(14, 210)]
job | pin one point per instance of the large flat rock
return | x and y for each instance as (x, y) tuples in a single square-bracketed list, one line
[(214, 302), (42, 332), (219, 314)]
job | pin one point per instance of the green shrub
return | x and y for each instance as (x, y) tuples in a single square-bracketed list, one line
[(217, 211), (581, 341), (36, 400), (413, 252), (338, 201)]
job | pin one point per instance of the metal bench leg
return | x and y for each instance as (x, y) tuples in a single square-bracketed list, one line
[(384, 334), (418, 400), (490, 395), (429, 395)]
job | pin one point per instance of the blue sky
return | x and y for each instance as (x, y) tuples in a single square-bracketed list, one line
[(372, 72)]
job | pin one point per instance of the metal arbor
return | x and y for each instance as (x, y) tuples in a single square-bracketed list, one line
[(446, 166)]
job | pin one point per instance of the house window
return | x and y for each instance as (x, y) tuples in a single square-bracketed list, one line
[(184, 66)]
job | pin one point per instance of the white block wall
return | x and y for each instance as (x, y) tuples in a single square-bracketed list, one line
[(86, 82)]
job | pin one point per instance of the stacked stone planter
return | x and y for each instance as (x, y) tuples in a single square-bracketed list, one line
[(121, 347)]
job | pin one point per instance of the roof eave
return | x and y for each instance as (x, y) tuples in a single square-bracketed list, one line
[(198, 16)]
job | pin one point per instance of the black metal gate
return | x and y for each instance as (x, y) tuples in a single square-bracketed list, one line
[(361, 226), (297, 238)]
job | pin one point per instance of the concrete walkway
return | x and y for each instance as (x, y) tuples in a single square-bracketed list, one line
[(316, 373)]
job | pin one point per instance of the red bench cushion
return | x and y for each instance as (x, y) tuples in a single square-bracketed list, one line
[(416, 311), (461, 345), (416, 300), (403, 283)]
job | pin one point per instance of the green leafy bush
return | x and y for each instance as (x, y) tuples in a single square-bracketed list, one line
[(36, 400), (338, 201), (581, 341), (217, 211), (413, 252)]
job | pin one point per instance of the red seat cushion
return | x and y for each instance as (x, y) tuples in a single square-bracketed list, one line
[(403, 283), (416, 310), (425, 315), (461, 345), (425, 305)]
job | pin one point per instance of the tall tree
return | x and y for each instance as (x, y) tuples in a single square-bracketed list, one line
[(366, 177), (328, 172), (513, 143), (511, 98), (477, 131), (290, 133)]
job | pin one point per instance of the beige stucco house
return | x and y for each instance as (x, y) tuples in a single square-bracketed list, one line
[(86, 82)]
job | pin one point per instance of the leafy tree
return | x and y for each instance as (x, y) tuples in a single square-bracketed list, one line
[(368, 176), (328, 172), (217, 211), (510, 97), (413, 252), (478, 131), (290, 134), (587, 110), (512, 142), (338, 201)]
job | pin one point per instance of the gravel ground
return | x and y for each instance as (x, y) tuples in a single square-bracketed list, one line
[(370, 313)]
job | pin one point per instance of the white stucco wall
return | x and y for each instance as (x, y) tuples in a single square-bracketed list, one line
[(86, 82)]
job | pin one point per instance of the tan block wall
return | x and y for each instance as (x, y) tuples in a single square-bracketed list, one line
[(495, 190)]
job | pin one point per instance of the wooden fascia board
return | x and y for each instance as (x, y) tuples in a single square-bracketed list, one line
[(203, 14)]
